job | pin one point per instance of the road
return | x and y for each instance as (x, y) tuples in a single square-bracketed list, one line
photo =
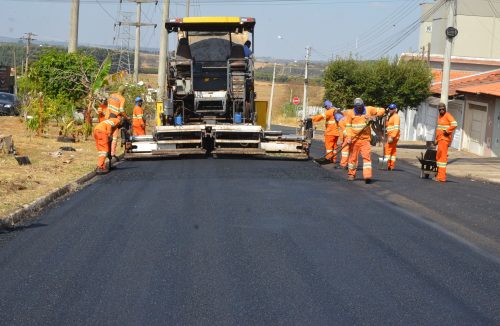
[(257, 242)]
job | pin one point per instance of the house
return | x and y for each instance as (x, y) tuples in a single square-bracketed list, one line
[(474, 89)]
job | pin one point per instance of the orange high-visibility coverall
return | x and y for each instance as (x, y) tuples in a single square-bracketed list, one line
[(392, 128), (446, 124), (102, 111), (360, 139), (331, 132), (138, 123), (116, 108), (102, 132)]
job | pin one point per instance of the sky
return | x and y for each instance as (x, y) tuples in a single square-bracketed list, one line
[(365, 28)]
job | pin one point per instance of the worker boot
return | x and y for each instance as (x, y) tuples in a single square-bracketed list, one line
[(101, 171), (368, 181)]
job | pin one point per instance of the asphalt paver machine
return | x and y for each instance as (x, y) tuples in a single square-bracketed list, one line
[(210, 98)]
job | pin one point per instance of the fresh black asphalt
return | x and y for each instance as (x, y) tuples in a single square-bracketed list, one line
[(257, 242)]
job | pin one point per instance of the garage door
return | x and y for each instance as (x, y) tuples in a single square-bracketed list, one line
[(477, 128)]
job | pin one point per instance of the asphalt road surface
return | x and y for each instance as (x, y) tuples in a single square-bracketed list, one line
[(257, 242)]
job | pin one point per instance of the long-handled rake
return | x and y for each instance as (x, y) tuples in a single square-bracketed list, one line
[(382, 160)]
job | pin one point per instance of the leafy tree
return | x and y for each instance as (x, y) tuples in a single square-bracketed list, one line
[(61, 74), (381, 82)]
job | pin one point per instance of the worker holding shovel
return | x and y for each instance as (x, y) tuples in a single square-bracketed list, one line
[(358, 136), (392, 128), (331, 131)]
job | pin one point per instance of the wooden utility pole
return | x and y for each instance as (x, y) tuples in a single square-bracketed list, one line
[(187, 8), (163, 52), (29, 38), (73, 27)]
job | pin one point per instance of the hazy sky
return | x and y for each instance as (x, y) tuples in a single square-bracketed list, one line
[(284, 27)]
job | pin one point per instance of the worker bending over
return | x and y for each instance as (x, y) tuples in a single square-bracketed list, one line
[(138, 121), (331, 130), (444, 135), (358, 123), (103, 132), (116, 109), (392, 129)]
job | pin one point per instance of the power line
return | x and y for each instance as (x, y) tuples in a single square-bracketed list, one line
[(390, 42)]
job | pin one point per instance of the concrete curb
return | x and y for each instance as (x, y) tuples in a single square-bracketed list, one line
[(28, 211)]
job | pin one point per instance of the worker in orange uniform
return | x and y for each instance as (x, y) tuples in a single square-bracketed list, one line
[(331, 130), (102, 134), (344, 154), (358, 123), (392, 129), (138, 121), (102, 110), (116, 109), (444, 136)]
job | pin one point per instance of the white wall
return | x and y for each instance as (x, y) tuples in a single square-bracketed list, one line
[(420, 124)]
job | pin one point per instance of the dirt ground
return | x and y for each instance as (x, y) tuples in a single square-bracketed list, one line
[(50, 167)]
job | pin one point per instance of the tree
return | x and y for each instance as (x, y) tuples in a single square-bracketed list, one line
[(381, 82)]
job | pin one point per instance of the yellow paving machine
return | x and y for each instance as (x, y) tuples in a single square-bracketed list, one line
[(210, 106)]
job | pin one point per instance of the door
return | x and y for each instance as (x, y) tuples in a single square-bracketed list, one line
[(476, 128)]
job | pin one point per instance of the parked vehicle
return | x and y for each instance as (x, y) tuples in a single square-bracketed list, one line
[(6, 79), (9, 104)]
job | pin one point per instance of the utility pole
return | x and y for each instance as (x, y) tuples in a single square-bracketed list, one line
[(306, 82), (162, 74), (29, 38), (451, 32), (73, 27), (270, 111), (138, 25), (15, 73), (187, 8)]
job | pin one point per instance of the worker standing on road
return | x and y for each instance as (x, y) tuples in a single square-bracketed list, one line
[(138, 121), (444, 135), (116, 109), (102, 111), (358, 123), (392, 128), (102, 135), (331, 130)]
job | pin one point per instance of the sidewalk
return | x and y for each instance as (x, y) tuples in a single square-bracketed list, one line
[(460, 163)]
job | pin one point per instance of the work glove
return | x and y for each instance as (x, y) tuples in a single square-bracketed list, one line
[(445, 133), (349, 140), (390, 140), (435, 143)]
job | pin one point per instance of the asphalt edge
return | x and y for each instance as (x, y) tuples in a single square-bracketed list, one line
[(28, 211)]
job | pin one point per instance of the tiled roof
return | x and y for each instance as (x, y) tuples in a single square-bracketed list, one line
[(476, 80), (454, 59), (437, 74), (487, 89)]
